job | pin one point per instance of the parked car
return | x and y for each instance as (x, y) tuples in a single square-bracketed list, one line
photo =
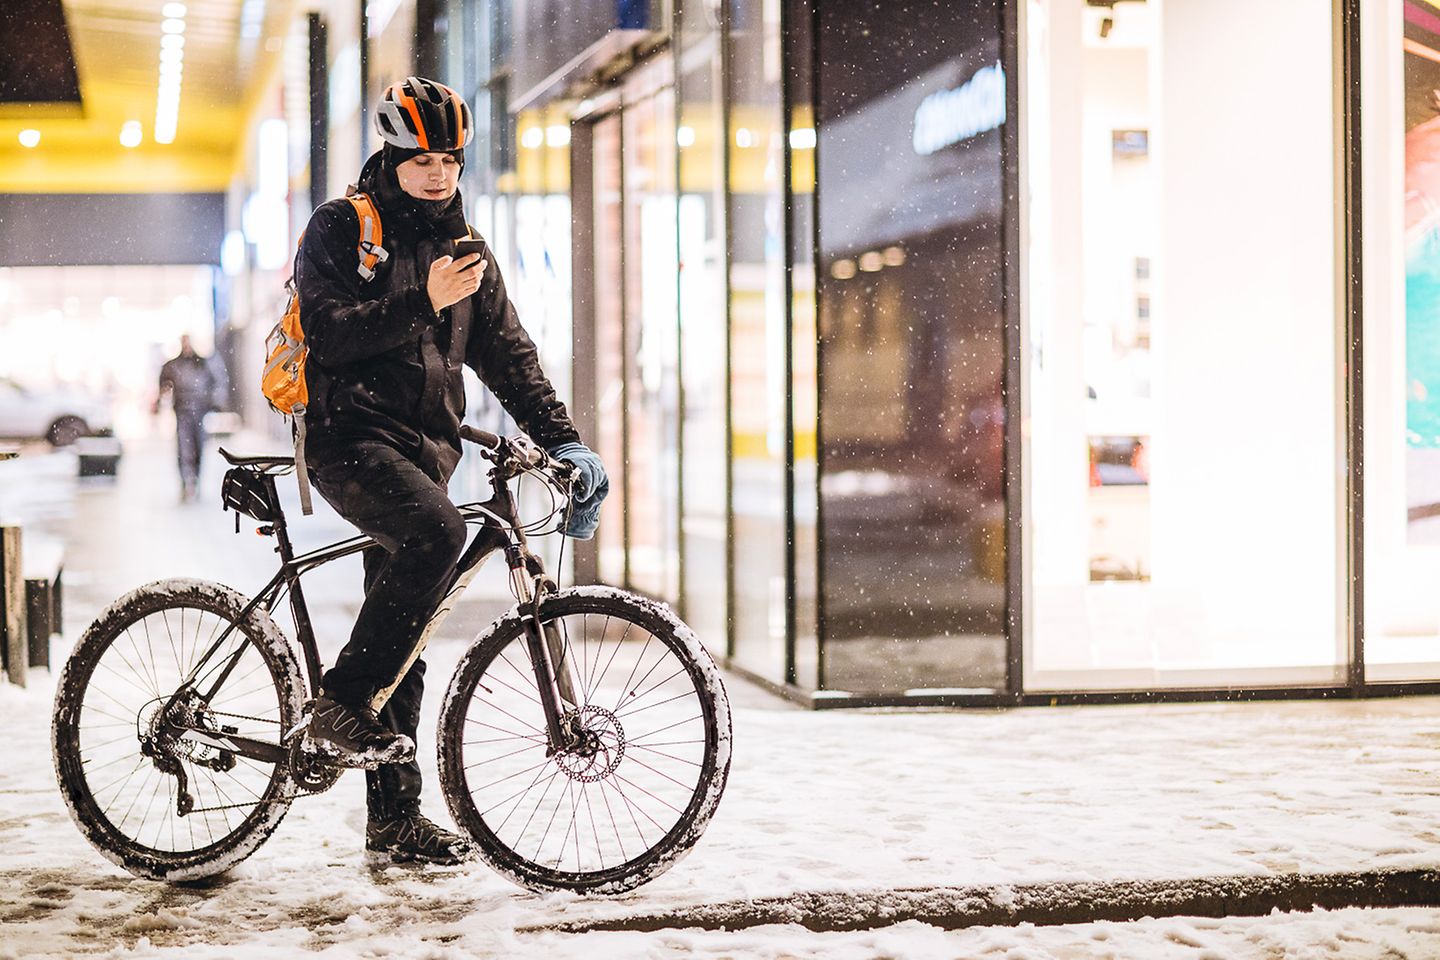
[(61, 415)]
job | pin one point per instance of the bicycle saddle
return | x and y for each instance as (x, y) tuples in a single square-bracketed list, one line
[(264, 464)]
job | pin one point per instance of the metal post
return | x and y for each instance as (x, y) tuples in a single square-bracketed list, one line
[(319, 111), (364, 80), (12, 605)]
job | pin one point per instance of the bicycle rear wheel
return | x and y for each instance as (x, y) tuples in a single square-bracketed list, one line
[(121, 716), (627, 806)]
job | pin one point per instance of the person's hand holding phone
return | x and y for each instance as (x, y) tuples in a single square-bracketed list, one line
[(452, 279)]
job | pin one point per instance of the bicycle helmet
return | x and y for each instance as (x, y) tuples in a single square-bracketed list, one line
[(420, 114)]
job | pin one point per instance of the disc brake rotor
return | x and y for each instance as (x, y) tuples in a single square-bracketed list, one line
[(600, 746)]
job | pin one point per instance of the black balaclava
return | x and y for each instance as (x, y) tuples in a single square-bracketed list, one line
[(443, 218)]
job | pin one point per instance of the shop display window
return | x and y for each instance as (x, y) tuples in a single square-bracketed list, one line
[(1183, 431)]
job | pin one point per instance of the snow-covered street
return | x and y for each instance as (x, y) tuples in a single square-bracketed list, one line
[(844, 802)]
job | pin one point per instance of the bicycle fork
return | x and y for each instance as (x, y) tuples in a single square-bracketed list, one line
[(547, 649)]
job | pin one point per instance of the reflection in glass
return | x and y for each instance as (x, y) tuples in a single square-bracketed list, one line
[(911, 348), (700, 139), (757, 332)]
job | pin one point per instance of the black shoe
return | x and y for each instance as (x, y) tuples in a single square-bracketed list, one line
[(353, 737), (414, 839)]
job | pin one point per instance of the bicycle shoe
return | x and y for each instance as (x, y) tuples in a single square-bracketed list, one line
[(353, 737), (414, 839)]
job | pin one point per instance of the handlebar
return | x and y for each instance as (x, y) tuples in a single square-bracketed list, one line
[(483, 437), (523, 452)]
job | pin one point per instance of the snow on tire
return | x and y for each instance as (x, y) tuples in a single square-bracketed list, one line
[(208, 606), (487, 670)]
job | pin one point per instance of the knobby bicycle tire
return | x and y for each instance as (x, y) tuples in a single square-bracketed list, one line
[(167, 597), (480, 668)]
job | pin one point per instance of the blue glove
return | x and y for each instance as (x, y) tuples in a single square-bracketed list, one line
[(588, 492)]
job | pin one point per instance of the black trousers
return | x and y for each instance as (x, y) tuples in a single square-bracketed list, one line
[(420, 536)]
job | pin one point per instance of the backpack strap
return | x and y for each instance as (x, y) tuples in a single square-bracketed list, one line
[(371, 253)]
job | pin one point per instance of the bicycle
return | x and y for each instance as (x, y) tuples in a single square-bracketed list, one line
[(179, 717)]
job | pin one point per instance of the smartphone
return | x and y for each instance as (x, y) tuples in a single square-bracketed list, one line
[(468, 245)]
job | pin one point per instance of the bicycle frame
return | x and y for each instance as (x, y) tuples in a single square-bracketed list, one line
[(499, 531)]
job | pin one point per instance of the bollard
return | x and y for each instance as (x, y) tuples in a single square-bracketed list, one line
[(12, 606)]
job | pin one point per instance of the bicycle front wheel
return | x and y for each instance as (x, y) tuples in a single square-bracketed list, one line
[(635, 796), (147, 759)]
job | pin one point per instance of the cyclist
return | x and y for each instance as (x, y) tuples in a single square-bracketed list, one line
[(386, 400)]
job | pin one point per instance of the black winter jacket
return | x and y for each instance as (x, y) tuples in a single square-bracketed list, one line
[(383, 366)]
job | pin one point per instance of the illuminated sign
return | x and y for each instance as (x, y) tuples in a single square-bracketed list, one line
[(951, 116)]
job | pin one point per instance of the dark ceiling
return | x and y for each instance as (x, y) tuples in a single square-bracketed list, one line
[(37, 61)]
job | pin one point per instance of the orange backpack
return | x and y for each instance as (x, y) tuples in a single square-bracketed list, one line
[(283, 379)]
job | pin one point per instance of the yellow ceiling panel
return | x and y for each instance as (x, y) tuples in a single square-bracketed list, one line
[(230, 49)]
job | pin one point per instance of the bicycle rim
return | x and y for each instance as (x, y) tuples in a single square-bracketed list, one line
[(624, 809)]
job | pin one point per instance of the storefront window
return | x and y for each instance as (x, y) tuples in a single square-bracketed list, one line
[(756, 130), (652, 401), (910, 102), (1402, 340), (1185, 457), (609, 308), (700, 140)]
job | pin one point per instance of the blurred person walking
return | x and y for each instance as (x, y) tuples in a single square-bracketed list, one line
[(191, 385), (386, 398)]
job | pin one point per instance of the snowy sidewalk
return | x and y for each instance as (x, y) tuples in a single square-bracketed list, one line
[(817, 802), (843, 803)]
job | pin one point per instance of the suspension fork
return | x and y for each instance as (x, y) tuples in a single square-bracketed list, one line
[(546, 646)]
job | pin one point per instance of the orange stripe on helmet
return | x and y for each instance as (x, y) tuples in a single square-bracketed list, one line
[(408, 102)]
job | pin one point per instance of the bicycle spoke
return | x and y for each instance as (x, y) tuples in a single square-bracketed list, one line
[(470, 766), (518, 736), (630, 710), (666, 755), (527, 677), (512, 776), (619, 645), (663, 729)]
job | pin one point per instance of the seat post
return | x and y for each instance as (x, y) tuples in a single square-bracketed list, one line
[(282, 533)]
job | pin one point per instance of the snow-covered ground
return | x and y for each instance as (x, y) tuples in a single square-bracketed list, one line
[(839, 801)]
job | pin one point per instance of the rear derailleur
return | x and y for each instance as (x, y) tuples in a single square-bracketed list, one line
[(163, 739)]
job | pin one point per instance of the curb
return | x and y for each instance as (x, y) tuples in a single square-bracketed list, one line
[(1041, 904)]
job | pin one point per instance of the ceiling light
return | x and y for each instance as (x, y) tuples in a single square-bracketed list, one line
[(172, 55), (870, 261), (173, 10), (893, 256), (843, 269), (171, 70), (172, 41), (802, 138), (744, 138), (685, 137), (173, 25), (29, 138), (532, 138), (130, 134), (557, 135), (165, 134)]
